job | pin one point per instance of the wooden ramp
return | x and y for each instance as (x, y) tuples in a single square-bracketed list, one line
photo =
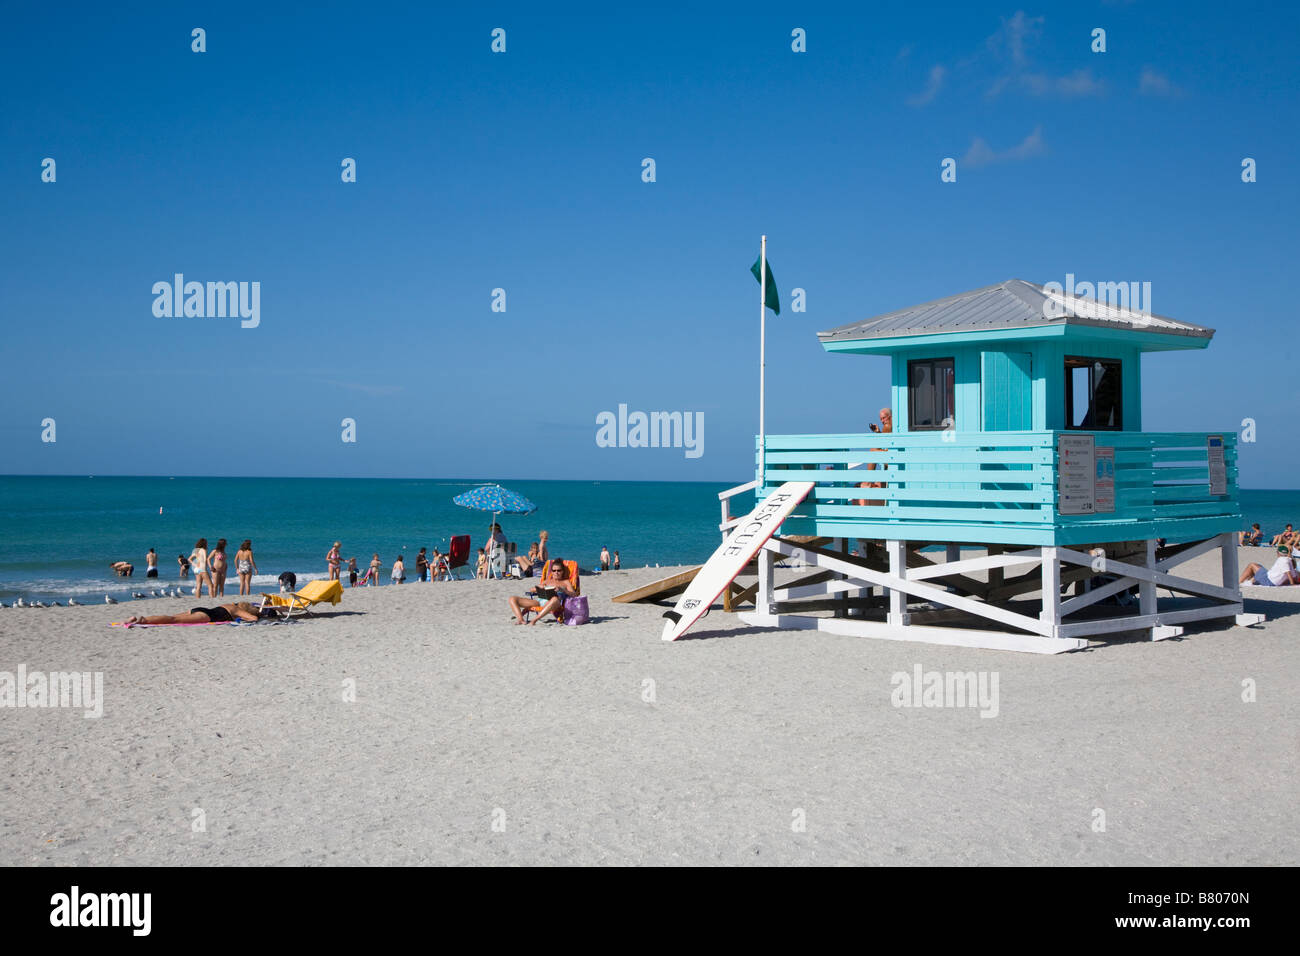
[(655, 590), (675, 584)]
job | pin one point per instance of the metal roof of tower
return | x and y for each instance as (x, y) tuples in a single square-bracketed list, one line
[(1013, 304)]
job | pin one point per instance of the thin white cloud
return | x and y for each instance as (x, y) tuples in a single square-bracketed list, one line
[(1078, 83), (1015, 34), (1154, 83), (363, 387), (932, 87), (1010, 47), (982, 154)]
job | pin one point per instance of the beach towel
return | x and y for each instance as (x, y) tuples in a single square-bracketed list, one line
[(184, 624)]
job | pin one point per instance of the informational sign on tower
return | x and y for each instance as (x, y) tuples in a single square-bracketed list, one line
[(1076, 489), (1104, 483)]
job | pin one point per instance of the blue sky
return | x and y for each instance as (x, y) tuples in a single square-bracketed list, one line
[(522, 171)]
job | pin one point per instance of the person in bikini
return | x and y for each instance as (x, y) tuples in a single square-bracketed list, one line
[(217, 568), (371, 577), (546, 600), (243, 611), (199, 564), (245, 567)]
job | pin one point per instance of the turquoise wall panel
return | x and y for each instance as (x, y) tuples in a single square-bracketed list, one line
[(1006, 390)]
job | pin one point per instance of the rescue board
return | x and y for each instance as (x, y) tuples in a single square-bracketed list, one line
[(745, 541)]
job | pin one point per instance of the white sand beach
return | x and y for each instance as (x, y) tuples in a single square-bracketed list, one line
[(475, 741)]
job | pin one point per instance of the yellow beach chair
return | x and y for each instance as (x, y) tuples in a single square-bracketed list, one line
[(299, 603)]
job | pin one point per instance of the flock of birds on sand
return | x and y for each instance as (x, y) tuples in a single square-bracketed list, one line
[(108, 599)]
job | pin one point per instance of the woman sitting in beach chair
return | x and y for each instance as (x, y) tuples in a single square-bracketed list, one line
[(559, 581), (1250, 538)]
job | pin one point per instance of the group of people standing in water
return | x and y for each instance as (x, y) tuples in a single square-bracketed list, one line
[(211, 567)]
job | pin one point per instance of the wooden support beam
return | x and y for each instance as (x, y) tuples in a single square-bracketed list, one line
[(893, 583), (1186, 585), (947, 636), (1051, 586), (997, 573), (766, 578), (897, 569), (1147, 589)]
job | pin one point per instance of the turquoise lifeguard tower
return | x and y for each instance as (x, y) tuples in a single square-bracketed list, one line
[(1017, 431)]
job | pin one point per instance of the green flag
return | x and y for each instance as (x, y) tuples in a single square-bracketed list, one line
[(773, 300)]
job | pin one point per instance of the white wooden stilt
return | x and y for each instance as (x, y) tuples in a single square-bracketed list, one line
[(1147, 598), (1228, 553), (766, 579), (897, 551), (1051, 567)]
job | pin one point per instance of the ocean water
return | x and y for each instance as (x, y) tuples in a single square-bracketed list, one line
[(59, 534)]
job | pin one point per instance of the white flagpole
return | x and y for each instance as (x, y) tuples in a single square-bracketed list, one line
[(762, 366)]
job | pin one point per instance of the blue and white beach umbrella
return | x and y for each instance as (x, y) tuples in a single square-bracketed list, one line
[(498, 500)]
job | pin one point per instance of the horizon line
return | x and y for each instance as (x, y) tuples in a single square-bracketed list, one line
[(684, 481)]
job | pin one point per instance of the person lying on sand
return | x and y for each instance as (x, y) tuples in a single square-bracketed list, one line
[(242, 611), (546, 600), (1281, 574)]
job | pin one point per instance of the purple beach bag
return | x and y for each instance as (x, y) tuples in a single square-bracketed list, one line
[(575, 611)]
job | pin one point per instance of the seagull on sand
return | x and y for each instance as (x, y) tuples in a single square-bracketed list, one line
[(73, 602), (109, 600), (19, 603), (137, 595)]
